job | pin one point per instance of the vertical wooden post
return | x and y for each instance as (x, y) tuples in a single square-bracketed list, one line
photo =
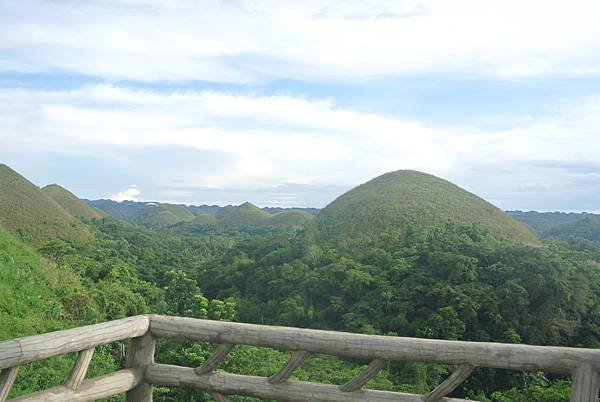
[(141, 354), (586, 384), (7, 378)]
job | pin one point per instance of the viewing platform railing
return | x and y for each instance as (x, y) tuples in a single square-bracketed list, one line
[(583, 365)]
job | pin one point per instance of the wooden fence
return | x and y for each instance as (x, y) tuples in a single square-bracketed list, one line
[(142, 372)]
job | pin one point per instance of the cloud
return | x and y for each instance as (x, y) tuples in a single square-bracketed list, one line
[(249, 41), (131, 194), (252, 143)]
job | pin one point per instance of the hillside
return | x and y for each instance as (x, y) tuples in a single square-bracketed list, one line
[(32, 215), (71, 203), (290, 218), (204, 219), (541, 222), (404, 199), (243, 217)]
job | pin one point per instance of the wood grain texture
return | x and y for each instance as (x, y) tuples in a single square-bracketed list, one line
[(215, 359), (292, 364), (89, 390), (80, 368), (20, 351), (586, 384), (141, 355), (234, 384), (7, 379), (364, 376), (449, 384), (368, 347)]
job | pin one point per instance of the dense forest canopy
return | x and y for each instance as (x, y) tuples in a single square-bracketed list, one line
[(444, 279)]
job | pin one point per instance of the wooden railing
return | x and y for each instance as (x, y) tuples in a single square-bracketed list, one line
[(142, 372)]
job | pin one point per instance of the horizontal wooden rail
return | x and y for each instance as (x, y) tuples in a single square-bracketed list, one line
[(368, 347), (20, 351), (138, 379), (89, 390), (234, 384)]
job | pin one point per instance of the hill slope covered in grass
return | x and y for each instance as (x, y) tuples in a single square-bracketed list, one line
[(71, 203), (32, 215), (244, 216), (396, 201)]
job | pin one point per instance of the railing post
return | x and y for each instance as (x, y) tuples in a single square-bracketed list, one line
[(586, 384), (141, 355)]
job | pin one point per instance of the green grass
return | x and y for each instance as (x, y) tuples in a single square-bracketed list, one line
[(290, 218), (180, 211), (244, 216), (71, 203), (204, 219), (32, 215), (404, 199)]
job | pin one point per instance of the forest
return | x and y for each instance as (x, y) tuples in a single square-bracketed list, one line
[(448, 280)]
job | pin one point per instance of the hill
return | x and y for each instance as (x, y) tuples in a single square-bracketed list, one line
[(291, 218), (542, 222), (244, 217), (404, 199), (587, 228), (71, 203), (204, 219), (32, 215)]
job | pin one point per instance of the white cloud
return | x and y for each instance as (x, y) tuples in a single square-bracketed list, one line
[(269, 140), (131, 194), (239, 41)]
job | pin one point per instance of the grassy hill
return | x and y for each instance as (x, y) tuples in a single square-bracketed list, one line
[(395, 201), (290, 218), (180, 211), (71, 203), (204, 219), (31, 215), (243, 217)]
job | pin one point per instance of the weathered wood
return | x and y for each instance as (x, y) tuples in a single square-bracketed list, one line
[(219, 397), (90, 390), (141, 355), (20, 351), (215, 359), (449, 384), (80, 368), (586, 384), (7, 379), (234, 384), (363, 377), (292, 364), (367, 347)]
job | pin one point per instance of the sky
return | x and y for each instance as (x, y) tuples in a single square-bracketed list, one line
[(288, 103)]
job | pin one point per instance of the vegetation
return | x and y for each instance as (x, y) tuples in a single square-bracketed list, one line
[(449, 280), (394, 202), (31, 215), (71, 203)]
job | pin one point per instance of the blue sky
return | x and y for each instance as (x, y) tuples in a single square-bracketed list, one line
[(292, 103)]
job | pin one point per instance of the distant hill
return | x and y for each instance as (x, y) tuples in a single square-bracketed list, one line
[(587, 228), (71, 203), (204, 219), (308, 210), (243, 217), (31, 215), (541, 222), (399, 200), (145, 213), (291, 218)]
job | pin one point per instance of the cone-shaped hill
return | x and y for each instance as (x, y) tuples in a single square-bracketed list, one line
[(71, 203), (31, 215), (398, 200), (244, 216), (292, 218)]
